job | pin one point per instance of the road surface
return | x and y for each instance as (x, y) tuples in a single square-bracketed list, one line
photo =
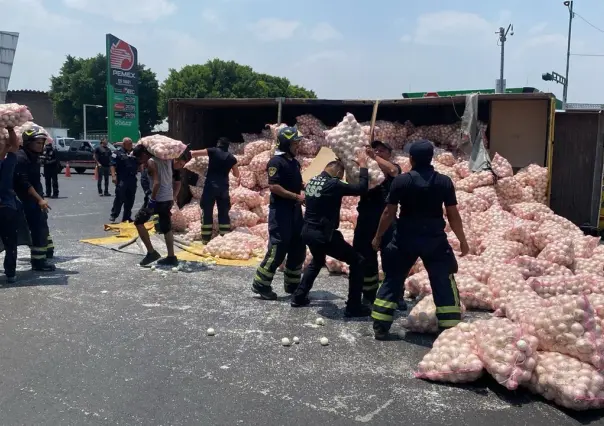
[(104, 342)]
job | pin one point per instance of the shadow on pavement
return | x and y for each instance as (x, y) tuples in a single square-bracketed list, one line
[(59, 277)]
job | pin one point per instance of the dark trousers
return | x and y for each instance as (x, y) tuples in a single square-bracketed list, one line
[(125, 192), (220, 197), (398, 258), (284, 228), (42, 247), (339, 249), (8, 233), (367, 225), (103, 173), (51, 178)]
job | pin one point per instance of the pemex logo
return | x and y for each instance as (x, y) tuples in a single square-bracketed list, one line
[(121, 56)]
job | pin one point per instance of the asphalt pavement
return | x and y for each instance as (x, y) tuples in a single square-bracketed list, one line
[(102, 341)]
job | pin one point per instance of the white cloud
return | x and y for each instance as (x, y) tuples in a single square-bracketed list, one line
[(212, 18), (539, 28), (126, 11), (451, 28), (324, 32), (270, 29)]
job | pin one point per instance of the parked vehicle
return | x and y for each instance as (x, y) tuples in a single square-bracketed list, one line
[(62, 144), (80, 155)]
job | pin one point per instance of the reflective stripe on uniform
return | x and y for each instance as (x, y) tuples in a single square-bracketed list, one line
[(448, 323), (206, 233), (50, 243), (38, 253), (292, 280), (448, 310), (210, 226), (371, 287), (454, 289), (266, 272), (373, 279), (259, 280), (295, 273), (385, 304), (224, 226), (381, 317)]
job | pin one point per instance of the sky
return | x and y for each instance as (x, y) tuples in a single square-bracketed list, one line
[(341, 49)]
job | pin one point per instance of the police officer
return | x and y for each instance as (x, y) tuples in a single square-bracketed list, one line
[(420, 232), (51, 170), (216, 187), (124, 168), (102, 156), (321, 220), (28, 187), (370, 208), (284, 218)]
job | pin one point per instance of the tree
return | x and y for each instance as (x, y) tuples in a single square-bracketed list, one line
[(83, 81), (221, 79)]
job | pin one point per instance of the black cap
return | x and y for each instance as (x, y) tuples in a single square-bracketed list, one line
[(386, 145), (422, 151)]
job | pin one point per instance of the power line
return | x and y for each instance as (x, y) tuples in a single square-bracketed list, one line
[(588, 23), (585, 54)]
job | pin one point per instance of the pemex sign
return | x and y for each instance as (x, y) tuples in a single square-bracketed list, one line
[(122, 90)]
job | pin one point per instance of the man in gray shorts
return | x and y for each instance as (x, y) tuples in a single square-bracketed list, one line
[(160, 203)]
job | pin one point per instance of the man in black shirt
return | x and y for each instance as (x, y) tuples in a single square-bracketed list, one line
[(124, 169), (216, 188), (370, 208), (284, 218), (102, 156), (320, 232), (51, 170), (420, 233)]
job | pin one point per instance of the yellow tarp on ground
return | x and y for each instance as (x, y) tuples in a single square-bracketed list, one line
[(126, 232)]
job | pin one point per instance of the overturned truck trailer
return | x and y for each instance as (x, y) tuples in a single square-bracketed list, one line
[(520, 126)]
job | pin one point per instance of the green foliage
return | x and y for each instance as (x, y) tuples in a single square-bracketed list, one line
[(222, 79), (83, 81)]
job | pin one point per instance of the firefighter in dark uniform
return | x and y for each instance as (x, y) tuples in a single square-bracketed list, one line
[(370, 208), (216, 188), (323, 197), (419, 233), (28, 187), (124, 168), (284, 218), (51, 170)]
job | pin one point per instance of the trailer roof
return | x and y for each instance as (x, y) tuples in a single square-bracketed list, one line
[(254, 102)]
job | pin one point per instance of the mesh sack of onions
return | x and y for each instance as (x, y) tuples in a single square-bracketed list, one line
[(560, 252), (475, 266), (247, 178), (261, 231), (475, 180), (471, 202), (403, 162), (530, 211), (250, 137), (487, 193), (350, 202), (445, 158), (345, 140), (452, 357), (229, 246), (240, 218), (446, 170), (418, 284), (273, 130), (163, 147), (548, 232), (198, 165), (262, 213), (192, 212), (474, 294), (462, 169), (536, 177), (259, 162), (520, 306), (252, 149), (567, 381), (422, 318), (3, 135), (506, 350), (590, 266), (584, 246), (578, 285), (349, 215), (243, 160), (308, 147), (236, 148), (262, 179), (531, 267), (308, 124), (570, 328), (13, 115), (509, 191), (501, 167), (196, 191), (246, 196), (179, 221)]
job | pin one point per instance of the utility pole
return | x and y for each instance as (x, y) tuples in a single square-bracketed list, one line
[(503, 36), (571, 15)]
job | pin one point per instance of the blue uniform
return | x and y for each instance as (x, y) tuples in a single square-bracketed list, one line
[(420, 233), (9, 214), (126, 169), (27, 175), (322, 219), (216, 192), (370, 208), (51, 171), (284, 227)]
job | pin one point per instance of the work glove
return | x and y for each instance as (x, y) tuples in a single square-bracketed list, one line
[(151, 204)]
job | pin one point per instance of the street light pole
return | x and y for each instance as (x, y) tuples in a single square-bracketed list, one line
[(84, 115), (503, 36), (568, 4)]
